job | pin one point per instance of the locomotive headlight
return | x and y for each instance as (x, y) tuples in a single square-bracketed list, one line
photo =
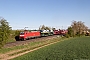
[(21, 35)]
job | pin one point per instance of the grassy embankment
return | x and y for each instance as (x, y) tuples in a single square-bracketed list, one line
[(29, 45)]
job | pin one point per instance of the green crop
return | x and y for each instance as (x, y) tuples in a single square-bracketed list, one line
[(73, 49)]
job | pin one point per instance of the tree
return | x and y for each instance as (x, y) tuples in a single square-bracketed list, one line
[(47, 28), (89, 30), (17, 32), (43, 27), (53, 29), (78, 27), (4, 31), (74, 26), (70, 31)]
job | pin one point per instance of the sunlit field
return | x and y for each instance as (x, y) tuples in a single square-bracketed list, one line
[(73, 49)]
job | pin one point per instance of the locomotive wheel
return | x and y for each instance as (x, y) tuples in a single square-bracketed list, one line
[(23, 39), (17, 38)]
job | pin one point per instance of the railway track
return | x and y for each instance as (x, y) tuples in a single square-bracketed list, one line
[(17, 43)]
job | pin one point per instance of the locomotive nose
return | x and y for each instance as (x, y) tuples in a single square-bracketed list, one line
[(21, 35)]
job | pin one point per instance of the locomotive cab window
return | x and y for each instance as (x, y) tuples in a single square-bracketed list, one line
[(21, 33)]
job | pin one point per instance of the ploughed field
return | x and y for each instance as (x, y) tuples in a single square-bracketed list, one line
[(72, 49)]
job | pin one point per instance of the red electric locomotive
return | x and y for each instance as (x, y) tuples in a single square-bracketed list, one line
[(29, 34)]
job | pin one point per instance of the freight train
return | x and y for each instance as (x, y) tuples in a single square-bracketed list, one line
[(27, 34)]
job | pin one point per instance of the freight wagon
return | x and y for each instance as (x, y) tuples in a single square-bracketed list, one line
[(45, 33), (60, 32)]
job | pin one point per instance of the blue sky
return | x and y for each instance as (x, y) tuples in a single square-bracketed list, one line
[(52, 13)]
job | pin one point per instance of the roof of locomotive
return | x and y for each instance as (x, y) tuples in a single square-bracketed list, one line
[(31, 30)]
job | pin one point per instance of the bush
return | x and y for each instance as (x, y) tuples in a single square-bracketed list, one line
[(67, 36), (17, 32)]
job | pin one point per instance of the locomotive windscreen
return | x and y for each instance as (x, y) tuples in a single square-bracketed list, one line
[(21, 33)]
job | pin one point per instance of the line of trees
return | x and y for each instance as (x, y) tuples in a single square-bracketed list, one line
[(43, 27), (77, 28)]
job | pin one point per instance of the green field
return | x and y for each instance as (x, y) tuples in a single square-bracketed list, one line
[(73, 49), (30, 45)]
